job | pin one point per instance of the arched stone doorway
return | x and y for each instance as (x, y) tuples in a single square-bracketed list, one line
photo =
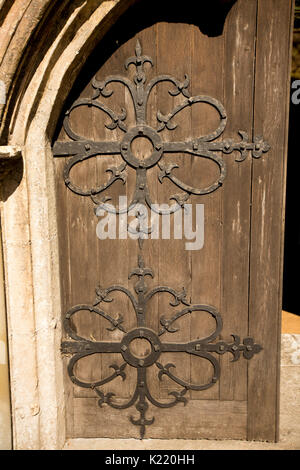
[(30, 234)]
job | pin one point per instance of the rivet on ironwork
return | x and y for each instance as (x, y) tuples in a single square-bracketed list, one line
[(200, 348), (140, 89), (207, 147)]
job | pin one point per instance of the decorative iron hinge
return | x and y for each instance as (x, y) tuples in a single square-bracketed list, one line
[(80, 149), (205, 348), (205, 146)]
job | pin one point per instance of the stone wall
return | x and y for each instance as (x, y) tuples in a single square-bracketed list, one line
[(43, 45)]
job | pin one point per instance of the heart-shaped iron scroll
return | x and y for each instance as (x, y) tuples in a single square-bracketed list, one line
[(80, 148), (205, 348)]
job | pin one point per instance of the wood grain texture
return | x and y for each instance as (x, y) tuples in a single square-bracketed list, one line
[(268, 183), (63, 225), (239, 38), (208, 419), (174, 260), (207, 79), (238, 271)]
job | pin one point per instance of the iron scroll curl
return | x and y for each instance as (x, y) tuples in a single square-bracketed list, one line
[(80, 149), (206, 348)]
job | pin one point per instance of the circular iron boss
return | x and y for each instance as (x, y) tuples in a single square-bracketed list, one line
[(155, 139), (144, 333)]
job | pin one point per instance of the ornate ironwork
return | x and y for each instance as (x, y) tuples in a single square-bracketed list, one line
[(80, 347), (206, 146), (80, 149)]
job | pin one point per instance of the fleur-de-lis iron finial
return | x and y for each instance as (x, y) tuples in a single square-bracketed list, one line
[(80, 148), (80, 347)]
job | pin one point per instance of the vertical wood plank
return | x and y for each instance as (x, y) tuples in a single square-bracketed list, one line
[(81, 241), (270, 120), (240, 32), (208, 79), (62, 212), (149, 249), (174, 260), (81, 233), (112, 253)]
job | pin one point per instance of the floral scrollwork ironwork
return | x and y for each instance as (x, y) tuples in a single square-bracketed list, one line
[(207, 348), (79, 148)]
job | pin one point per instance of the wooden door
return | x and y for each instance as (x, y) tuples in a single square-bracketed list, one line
[(174, 108)]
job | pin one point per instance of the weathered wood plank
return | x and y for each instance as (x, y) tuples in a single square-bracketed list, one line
[(112, 254), (240, 32), (81, 240), (174, 260), (205, 419), (142, 148), (207, 79), (270, 118), (62, 214)]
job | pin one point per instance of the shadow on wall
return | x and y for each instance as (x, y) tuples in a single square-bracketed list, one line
[(210, 19), (291, 292), (11, 173)]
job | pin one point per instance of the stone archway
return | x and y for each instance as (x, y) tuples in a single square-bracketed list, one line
[(28, 214), (43, 47)]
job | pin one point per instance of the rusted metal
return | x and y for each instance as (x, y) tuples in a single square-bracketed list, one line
[(205, 348), (80, 149), (206, 146)]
